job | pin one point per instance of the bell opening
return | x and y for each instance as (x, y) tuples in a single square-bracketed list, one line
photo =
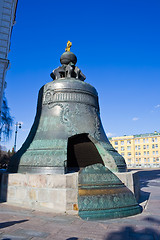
[(81, 152)]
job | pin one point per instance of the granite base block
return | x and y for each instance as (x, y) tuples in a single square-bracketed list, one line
[(131, 180), (56, 193)]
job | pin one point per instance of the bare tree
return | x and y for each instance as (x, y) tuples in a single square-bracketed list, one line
[(6, 121), (5, 133)]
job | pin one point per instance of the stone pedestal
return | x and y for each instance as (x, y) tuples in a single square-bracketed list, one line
[(131, 180), (55, 193)]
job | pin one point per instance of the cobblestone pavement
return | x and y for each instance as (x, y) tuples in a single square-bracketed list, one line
[(19, 223)]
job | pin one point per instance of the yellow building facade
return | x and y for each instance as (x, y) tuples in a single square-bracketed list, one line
[(139, 150)]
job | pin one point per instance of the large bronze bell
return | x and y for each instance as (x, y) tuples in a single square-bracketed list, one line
[(67, 133)]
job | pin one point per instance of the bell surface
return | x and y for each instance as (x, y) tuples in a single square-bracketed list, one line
[(67, 133), (101, 195)]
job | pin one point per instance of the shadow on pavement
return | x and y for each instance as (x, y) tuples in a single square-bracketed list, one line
[(129, 233), (8, 224), (145, 176), (144, 196), (72, 238), (151, 219)]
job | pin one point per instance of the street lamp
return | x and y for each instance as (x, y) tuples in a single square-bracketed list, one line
[(18, 125)]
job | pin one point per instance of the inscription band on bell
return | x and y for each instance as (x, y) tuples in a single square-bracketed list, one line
[(52, 96)]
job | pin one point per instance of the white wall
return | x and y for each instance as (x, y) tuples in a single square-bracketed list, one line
[(7, 17)]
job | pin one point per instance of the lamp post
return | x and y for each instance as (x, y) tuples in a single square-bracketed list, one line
[(18, 125)]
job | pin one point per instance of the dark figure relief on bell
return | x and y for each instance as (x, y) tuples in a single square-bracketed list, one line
[(58, 73), (68, 68), (79, 74)]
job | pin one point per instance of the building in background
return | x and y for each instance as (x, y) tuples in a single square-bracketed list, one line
[(7, 21), (139, 150)]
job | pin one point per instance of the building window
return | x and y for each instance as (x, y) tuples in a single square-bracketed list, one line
[(122, 154), (122, 148), (129, 153), (156, 152), (144, 153), (148, 160), (144, 146), (147, 146), (139, 147), (129, 148), (147, 152), (145, 160), (129, 159), (136, 153), (153, 152), (154, 159), (152, 145), (157, 159), (144, 140), (136, 159), (122, 142), (116, 143), (129, 142), (139, 153), (135, 147), (155, 139), (139, 159), (136, 141), (152, 139), (156, 145), (116, 148)]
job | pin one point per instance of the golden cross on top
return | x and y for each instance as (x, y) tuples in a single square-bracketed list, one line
[(69, 44)]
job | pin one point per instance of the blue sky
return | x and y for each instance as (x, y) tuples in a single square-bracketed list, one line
[(117, 44)]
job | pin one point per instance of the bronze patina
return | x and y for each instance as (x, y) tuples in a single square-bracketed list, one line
[(67, 133), (101, 195)]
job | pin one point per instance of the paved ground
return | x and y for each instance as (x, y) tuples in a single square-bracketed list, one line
[(19, 223)]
